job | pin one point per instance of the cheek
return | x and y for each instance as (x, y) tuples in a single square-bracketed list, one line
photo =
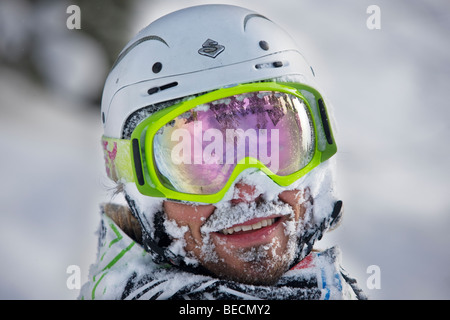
[(191, 216), (297, 200), (187, 215)]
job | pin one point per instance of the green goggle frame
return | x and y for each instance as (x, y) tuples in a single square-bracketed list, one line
[(133, 160)]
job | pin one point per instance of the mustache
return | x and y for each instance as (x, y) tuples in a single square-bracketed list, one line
[(228, 215)]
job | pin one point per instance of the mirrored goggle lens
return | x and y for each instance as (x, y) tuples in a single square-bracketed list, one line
[(197, 151)]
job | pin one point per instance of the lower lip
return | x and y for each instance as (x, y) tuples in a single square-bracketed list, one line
[(251, 238)]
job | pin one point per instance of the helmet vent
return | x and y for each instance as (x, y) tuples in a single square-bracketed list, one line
[(252, 15), (157, 67), (264, 45), (164, 87), (275, 64)]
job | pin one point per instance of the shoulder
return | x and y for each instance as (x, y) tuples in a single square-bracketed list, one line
[(119, 254)]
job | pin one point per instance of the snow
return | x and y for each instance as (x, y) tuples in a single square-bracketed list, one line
[(388, 89), (52, 176)]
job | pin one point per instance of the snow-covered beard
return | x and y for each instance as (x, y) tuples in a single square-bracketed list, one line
[(260, 263), (264, 263), (320, 184), (228, 214)]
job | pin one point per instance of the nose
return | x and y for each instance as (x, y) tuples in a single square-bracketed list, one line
[(244, 193)]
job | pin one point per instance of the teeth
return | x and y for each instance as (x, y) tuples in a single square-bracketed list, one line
[(256, 226)]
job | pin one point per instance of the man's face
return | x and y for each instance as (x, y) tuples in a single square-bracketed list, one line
[(256, 251)]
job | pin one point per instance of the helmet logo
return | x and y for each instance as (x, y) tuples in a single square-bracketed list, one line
[(211, 48)]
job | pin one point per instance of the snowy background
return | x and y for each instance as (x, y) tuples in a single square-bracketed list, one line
[(389, 89)]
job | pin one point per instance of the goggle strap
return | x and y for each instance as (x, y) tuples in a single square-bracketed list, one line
[(118, 161)]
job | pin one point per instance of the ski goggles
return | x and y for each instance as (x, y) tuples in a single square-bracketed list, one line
[(196, 149)]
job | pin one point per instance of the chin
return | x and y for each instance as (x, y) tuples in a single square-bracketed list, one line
[(261, 265), (253, 274)]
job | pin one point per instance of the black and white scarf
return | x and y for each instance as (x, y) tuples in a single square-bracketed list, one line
[(124, 270)]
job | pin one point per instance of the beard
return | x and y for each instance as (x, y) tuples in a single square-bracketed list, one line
[(260, 264)]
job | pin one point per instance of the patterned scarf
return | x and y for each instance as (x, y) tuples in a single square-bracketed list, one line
[(124, 270)]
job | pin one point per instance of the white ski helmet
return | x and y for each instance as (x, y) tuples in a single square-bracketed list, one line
[(190, 52), (195, 50)]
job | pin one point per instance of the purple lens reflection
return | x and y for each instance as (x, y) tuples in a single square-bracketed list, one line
[(197, 152)]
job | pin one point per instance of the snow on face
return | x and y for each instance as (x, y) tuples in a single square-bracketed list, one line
[(319, 182), (227, 215)]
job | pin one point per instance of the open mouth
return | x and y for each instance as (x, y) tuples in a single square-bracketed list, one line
[(253, 232), (249, 226), (245, 225)]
